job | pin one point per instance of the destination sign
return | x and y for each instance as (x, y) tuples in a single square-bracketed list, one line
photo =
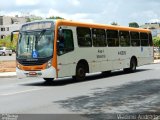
[(37, 26)]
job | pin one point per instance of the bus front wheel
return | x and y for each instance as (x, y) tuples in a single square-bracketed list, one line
[(80, 72)]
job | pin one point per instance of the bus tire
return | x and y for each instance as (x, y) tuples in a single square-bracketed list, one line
[(48, 80), (80, 72), (133, 65)]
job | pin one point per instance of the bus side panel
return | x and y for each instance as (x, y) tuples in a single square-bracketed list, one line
[(120, 57), (100, 59), (136, 51), (125, 56), (146, 55)]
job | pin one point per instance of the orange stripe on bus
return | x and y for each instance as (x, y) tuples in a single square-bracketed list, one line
[(102, 26)]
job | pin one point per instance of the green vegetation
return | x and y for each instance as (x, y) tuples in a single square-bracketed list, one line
[(34, 19), (134, 24), (156, 41), (55, 17), (6, 42), (40, 18), (114, 23), (28, 20)]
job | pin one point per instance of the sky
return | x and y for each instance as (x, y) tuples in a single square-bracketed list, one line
[(92, 11)]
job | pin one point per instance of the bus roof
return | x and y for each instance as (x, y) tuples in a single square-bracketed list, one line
[(103, 26), (91, 25)]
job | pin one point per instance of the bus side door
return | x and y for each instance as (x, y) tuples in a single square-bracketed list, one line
[(65, 49)]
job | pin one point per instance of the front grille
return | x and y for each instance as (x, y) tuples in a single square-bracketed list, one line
[(29, 63), (33, 63)]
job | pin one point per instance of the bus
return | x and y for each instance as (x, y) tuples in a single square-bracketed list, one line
[(52, 49)]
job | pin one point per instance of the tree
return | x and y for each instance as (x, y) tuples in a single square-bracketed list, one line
[(55, 17), (34, 19), (28, 20), (6, 42), (114, 23), (156, 41), (134, 24)]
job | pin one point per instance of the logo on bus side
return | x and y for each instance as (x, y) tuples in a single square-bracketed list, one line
[(122, 53)]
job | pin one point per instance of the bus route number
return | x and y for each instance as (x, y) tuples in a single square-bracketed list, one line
[(122, 53)]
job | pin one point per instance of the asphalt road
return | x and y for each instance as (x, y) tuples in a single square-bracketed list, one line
[(137, 92), (8, 58)]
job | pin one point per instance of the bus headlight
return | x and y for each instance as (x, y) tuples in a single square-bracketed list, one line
[(49, 64), (18, 65)]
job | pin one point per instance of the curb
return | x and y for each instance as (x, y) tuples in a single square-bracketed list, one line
[(14, 76), (8, 75)]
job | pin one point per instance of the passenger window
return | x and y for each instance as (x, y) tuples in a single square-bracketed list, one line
[(144, 39), (84, 37), (65, 42), (124, 38), (135, 41), (112, 38), (99, 38)]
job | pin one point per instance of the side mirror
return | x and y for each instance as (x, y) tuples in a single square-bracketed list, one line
[(60, 48), (12, 34)]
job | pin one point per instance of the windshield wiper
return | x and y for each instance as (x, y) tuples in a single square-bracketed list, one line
[(41, 34)]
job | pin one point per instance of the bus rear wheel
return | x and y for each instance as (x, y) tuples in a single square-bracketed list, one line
[(133, 66), (80, 72)]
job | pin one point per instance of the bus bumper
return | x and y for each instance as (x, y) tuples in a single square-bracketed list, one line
[(47, 73)]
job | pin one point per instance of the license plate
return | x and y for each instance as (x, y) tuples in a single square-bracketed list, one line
[(33, 74)]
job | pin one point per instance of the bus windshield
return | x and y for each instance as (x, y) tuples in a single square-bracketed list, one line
[(35, 44)]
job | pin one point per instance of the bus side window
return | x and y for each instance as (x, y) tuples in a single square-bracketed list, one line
[(124, 38), (112, 38), (65, 44), (144, 39), (135, 40), (84, 37), (99, 38)]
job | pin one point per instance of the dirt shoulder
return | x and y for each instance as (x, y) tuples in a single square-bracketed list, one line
[(7, 66)]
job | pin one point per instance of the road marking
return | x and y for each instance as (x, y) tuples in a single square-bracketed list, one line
[(18, 92)]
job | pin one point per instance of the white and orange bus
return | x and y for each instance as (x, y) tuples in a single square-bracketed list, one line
[(58, 48)]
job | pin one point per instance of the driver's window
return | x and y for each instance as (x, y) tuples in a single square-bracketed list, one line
[(65, 42)]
